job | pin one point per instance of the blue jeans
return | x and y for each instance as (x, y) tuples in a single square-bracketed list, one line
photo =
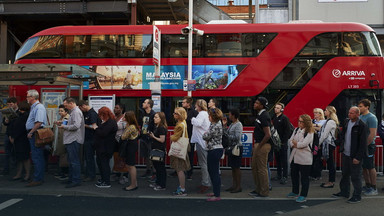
[(37, 155), (73, 150), (213, 160), (89, 152)]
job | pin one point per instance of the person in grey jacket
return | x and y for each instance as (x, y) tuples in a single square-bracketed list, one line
[(234, 132)]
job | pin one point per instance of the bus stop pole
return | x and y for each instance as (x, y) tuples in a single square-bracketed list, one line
[(190, 26), (81, 91)]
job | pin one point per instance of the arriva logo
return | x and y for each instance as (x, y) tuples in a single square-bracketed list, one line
[(337, 73)]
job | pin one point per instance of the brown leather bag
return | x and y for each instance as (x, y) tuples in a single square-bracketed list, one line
[(43, 136)]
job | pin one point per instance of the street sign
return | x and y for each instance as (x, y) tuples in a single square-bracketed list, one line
[(156, 45), (189, 85)]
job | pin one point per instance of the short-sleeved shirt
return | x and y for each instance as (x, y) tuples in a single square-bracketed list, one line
[(90, 117), (371, 121), (37, 114), (262, 120), (158, 131)]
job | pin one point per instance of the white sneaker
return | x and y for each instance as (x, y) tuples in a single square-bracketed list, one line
[(159, 188), (371, 192), (152, 185)]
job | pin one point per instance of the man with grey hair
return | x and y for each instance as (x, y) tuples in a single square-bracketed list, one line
[(73, 137), (353, 142), (37, 119)]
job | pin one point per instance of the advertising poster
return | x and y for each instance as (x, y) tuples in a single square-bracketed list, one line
[(171, 76), (214, 76), (51, 99), (120, 77)]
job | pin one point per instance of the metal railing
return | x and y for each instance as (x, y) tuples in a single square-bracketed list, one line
[(246, 162)]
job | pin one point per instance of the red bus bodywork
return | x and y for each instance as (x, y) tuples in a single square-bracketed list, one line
[(320, 91)]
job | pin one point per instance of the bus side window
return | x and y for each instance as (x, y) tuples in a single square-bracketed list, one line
[(321, 45), (352, 44)]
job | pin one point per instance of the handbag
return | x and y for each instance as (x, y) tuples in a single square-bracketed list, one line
[(43, 136), (157, 155), (180, 147), (236, 150)]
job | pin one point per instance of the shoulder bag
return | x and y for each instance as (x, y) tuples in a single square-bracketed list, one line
[(179, 148), (44, 136), (157, 155)]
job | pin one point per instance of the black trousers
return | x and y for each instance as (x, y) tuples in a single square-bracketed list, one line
[(282, 161), (331, 165), (351, 172), (317, 166), (300, 172), (191, 155), (161, 173), (102, 160)]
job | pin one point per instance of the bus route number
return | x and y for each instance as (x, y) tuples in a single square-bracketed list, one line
[(353, 86)]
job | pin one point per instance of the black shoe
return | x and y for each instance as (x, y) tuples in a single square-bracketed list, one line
[(72, 185), (354, 200), (276, 178), (253, 193), (339, 195), (283, 181)]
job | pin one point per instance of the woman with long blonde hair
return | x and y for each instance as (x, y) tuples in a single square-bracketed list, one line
[(327, 144), (301, 157), (317, 165), (200, 126), (178, 164)]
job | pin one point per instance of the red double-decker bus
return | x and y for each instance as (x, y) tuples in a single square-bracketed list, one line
[(303, 65)]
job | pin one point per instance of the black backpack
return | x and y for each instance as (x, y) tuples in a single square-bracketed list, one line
[(315, 143), (275, 138)]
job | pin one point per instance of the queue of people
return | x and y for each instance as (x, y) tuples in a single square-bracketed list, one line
[(119, 134)]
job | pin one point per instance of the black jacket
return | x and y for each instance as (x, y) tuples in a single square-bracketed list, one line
[(9, 124), (359, 136), (18, 132), (190, 114), (282, 125), (104, 138)]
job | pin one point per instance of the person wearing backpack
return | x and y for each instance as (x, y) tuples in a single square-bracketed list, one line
[(327, 143), (301, 157), (283, 126)]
